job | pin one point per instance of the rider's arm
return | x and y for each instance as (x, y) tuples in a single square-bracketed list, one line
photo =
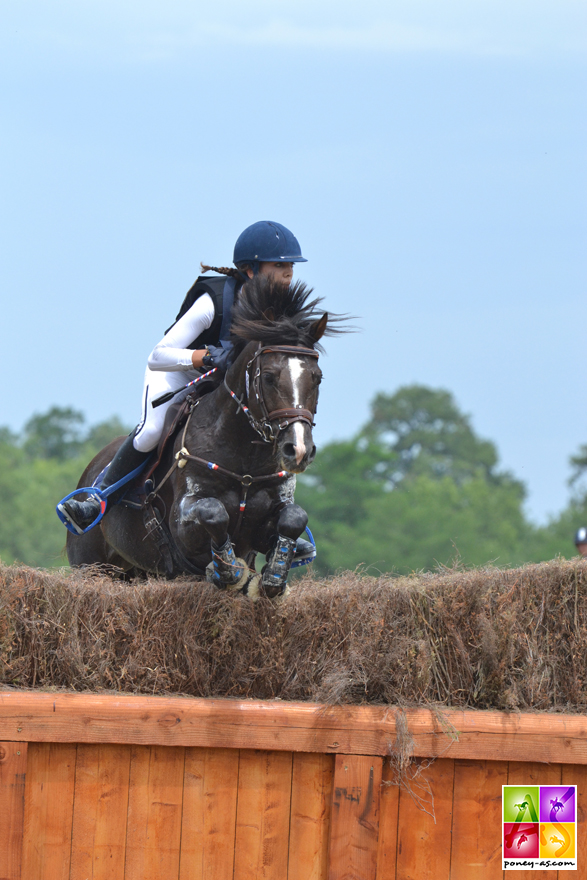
[(172, 352)]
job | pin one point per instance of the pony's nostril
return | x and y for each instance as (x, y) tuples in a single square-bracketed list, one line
[(289, 450), (312, 454)]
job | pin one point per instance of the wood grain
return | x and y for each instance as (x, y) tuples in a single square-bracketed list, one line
[(388, 824), (477, 820), (310, 816), (297, 727), (425, 822), (13, 767), (209, 813), (48, 811), (263, 815), (154, 813), (98, 844), (573, 774), (354, 827)]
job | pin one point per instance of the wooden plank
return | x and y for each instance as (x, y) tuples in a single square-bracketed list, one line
[(354, 827), (209, 813), (303, 727), (154, 813), (48, 811), (528, 773), (477, 820), (425, 823), (13, 768), (311, 800), (263, 814), (100, 810), (388, 824), (573, 774)]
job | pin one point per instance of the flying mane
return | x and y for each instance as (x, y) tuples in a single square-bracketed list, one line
[(275, 313)]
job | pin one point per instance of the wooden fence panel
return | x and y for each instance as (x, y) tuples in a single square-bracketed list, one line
[(388, 822), (576, 774), (209, 813), (354, 826), (263, 815), (424, 838), (154, 813), (48, 813), (13, 767), (100, 812), (310, 816), (477, 821)]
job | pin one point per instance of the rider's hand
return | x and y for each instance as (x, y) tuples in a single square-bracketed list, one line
[(218, 357)]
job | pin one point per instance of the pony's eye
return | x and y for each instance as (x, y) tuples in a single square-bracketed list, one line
[(269, 378), (317, 377)]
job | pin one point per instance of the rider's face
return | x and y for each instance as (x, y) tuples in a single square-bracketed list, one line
[(278, 271), (582, 548)]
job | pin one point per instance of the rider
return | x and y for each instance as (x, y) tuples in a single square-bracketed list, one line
[(198, 340), (581, 541)]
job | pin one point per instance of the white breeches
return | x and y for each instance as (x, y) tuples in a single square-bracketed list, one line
[(157, 382)]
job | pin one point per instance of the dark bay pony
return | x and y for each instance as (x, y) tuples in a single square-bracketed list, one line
[(223, 490)]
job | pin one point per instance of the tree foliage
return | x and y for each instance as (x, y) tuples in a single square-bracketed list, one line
[(36, 471), (414, 489), (417, 488)]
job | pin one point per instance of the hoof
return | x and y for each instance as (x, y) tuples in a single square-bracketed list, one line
[(213, 578)]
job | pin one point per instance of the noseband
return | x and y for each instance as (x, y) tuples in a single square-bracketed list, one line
[(284, 417)]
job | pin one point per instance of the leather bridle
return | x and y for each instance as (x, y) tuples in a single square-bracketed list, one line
[(272, 422)]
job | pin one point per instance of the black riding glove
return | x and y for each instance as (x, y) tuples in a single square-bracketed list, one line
[(218, 357)]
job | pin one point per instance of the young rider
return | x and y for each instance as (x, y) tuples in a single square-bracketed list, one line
[(198, 340)]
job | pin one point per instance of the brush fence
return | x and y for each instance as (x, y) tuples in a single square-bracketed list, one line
[(163, 788)]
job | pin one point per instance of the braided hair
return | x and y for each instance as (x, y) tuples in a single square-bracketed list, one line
[(227, 270)]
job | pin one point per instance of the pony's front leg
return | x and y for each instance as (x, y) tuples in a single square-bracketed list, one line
[(291, 523), (225, 570)]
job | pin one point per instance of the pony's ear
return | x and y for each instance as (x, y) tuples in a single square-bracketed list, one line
[(318, 327)]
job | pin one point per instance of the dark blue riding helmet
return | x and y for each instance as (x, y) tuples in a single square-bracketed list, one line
[(267, 242)]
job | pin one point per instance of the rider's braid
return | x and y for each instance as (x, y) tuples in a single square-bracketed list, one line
[(222, 270)]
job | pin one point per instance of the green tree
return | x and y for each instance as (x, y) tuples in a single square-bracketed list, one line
[(56, 434), (36, 471), (414, 489), (430, 435)]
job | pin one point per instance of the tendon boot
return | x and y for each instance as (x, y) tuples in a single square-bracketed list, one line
[(82, 514), (226, 569), (274, 574)]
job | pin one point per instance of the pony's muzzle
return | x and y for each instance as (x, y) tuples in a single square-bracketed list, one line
[(297, 448)]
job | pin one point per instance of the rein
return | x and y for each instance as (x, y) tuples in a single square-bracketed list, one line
[(285, 417)]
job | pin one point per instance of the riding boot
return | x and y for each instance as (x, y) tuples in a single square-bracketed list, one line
[(82, 514)]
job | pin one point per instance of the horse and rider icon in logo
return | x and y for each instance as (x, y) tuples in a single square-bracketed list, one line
[(539, 822)]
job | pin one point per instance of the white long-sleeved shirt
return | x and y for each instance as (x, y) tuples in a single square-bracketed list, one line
[(171, 353)]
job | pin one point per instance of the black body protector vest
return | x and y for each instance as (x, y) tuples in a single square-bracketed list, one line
[(214, 287)]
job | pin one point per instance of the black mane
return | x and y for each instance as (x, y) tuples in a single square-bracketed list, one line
[(275, 313)]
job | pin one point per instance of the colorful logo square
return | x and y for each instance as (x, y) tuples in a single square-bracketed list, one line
[(520, 803), (557, 841), (521, 841), (557, 803)]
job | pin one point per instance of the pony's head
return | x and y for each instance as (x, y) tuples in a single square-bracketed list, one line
[(282, 384)]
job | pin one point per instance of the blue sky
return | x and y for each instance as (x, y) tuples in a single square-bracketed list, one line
[(430, 157)]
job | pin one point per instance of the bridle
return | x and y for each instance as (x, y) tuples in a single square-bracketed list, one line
[(273, 422)]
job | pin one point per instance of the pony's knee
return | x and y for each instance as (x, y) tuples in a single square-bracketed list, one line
[(213, 516), (292, 521)]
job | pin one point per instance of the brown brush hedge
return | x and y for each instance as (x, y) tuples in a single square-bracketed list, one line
[(483, 638)]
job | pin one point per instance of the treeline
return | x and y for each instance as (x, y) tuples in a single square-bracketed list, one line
[(414, 489)]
